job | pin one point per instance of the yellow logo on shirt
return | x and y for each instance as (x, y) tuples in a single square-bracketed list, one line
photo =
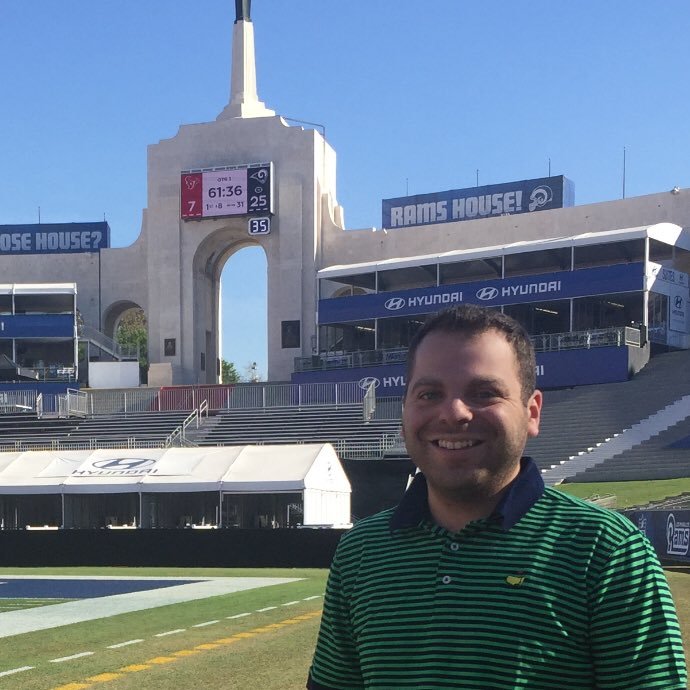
[(515, 580)]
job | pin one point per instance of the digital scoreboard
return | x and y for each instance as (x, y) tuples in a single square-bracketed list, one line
[(231, 191)]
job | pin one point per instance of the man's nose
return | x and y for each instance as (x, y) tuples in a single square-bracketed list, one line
[(456, 410)]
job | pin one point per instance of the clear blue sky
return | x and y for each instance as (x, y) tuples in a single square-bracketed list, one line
[(415, 96)]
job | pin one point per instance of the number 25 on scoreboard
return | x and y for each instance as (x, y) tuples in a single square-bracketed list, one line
[(259, 226)]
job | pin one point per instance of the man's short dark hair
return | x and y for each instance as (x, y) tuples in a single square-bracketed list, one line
[(470, 320)]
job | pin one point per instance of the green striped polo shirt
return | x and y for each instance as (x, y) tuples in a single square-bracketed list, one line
[(549, 592)]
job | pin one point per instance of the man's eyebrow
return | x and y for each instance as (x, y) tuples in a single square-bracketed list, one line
[(426, 381)]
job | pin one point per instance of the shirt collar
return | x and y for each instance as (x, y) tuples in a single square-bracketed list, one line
[(522, 493)]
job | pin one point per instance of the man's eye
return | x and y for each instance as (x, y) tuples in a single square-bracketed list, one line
[(429, 395)]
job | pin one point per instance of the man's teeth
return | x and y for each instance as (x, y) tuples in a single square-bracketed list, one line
[(455, 445)]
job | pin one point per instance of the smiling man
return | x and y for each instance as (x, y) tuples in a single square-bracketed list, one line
[(482, 578)]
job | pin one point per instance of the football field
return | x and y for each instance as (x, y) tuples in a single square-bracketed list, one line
[(127, 628), (136, 628)]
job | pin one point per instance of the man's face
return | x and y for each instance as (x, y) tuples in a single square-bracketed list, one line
[(465, 423)]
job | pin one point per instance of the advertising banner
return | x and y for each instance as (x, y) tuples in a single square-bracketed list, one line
[(667, 530), (486, 201), (54, 238), (36, 326), (524, 289), (554, 370)]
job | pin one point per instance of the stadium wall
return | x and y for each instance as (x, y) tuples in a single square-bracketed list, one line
[(667, 530), (173, 548)]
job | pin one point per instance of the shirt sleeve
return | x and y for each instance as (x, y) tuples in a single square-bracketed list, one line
[(634, 631), (336, 663)]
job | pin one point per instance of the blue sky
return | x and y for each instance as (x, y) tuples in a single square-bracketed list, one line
[(414, 97)]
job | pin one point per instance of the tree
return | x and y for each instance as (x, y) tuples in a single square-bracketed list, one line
[(229, 372), (132, 332)]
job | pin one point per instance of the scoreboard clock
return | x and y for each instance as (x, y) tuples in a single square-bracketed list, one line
[(230, 191)]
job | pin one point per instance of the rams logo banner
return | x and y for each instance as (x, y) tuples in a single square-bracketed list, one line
[(487, 201)]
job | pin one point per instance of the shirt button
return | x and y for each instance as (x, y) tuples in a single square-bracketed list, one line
[(454, 546), (446, 579)]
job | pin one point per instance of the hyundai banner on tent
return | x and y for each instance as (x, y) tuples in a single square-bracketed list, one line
[(493, 200)]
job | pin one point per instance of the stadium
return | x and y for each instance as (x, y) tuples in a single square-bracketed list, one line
[(183, 472)]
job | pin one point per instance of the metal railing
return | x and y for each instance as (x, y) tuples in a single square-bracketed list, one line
[(546, 342), (369, 402), (107, 344), (17, 401), (179, 434)]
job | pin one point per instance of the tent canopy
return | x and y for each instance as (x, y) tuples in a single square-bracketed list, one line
[(230, 469)]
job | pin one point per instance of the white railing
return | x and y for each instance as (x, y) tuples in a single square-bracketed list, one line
[(239, 396), (17, 401), (367, 450), (180, 432), (77, 403)]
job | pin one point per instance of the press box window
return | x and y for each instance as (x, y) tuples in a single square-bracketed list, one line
[(290, 334)]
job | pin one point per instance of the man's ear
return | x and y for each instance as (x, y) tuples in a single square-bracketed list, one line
[(534, 413)]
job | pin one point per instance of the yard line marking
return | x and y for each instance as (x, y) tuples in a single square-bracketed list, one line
[(15, 670), (69, 658), (133, 668), (316, 596), (203, 625), (180, 654), (290, 603), (170, 632), (105, 677), (160, 660), (239, 615), (268, 608), (123, 644)]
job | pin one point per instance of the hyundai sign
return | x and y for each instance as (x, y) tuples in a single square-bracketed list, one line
[(599, 280), (487, 201)]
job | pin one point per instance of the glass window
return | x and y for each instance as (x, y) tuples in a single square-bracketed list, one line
[(543, 317), (407, 278), (610, 253), (543, 261), (397, 333), (607, 311), (468, 271)]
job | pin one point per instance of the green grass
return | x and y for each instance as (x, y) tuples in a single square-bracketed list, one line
[(271, 658), (274, 654), (630, 494)]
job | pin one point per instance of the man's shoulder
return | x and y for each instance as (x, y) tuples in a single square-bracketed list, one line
[(569, 507), (372, 528)]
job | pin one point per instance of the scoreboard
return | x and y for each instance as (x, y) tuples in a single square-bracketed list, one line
[(230, 191)]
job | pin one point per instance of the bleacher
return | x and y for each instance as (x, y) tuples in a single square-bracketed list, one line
[(131, 429), (576, 420), (344, 426)]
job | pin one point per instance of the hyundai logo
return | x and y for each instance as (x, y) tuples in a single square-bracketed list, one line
[(367, 381), (395, 303), (123, 463), (678, 302), (487, 293)]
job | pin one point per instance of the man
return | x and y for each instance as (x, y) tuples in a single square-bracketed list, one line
[(481, 578)]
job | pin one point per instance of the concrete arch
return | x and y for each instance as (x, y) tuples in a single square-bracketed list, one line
[(208, 261), (114, 312)]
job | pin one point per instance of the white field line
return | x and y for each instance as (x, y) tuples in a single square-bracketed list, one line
[(171, 632), (290, 603), (316, 596), (15, 670), (203, 625), (69, 658), (268, 608), (124, 644), (238, 615)]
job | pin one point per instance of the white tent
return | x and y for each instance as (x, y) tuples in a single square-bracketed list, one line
[(195, 487)]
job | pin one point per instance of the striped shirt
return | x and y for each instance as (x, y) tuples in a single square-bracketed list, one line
[(549, 592)]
